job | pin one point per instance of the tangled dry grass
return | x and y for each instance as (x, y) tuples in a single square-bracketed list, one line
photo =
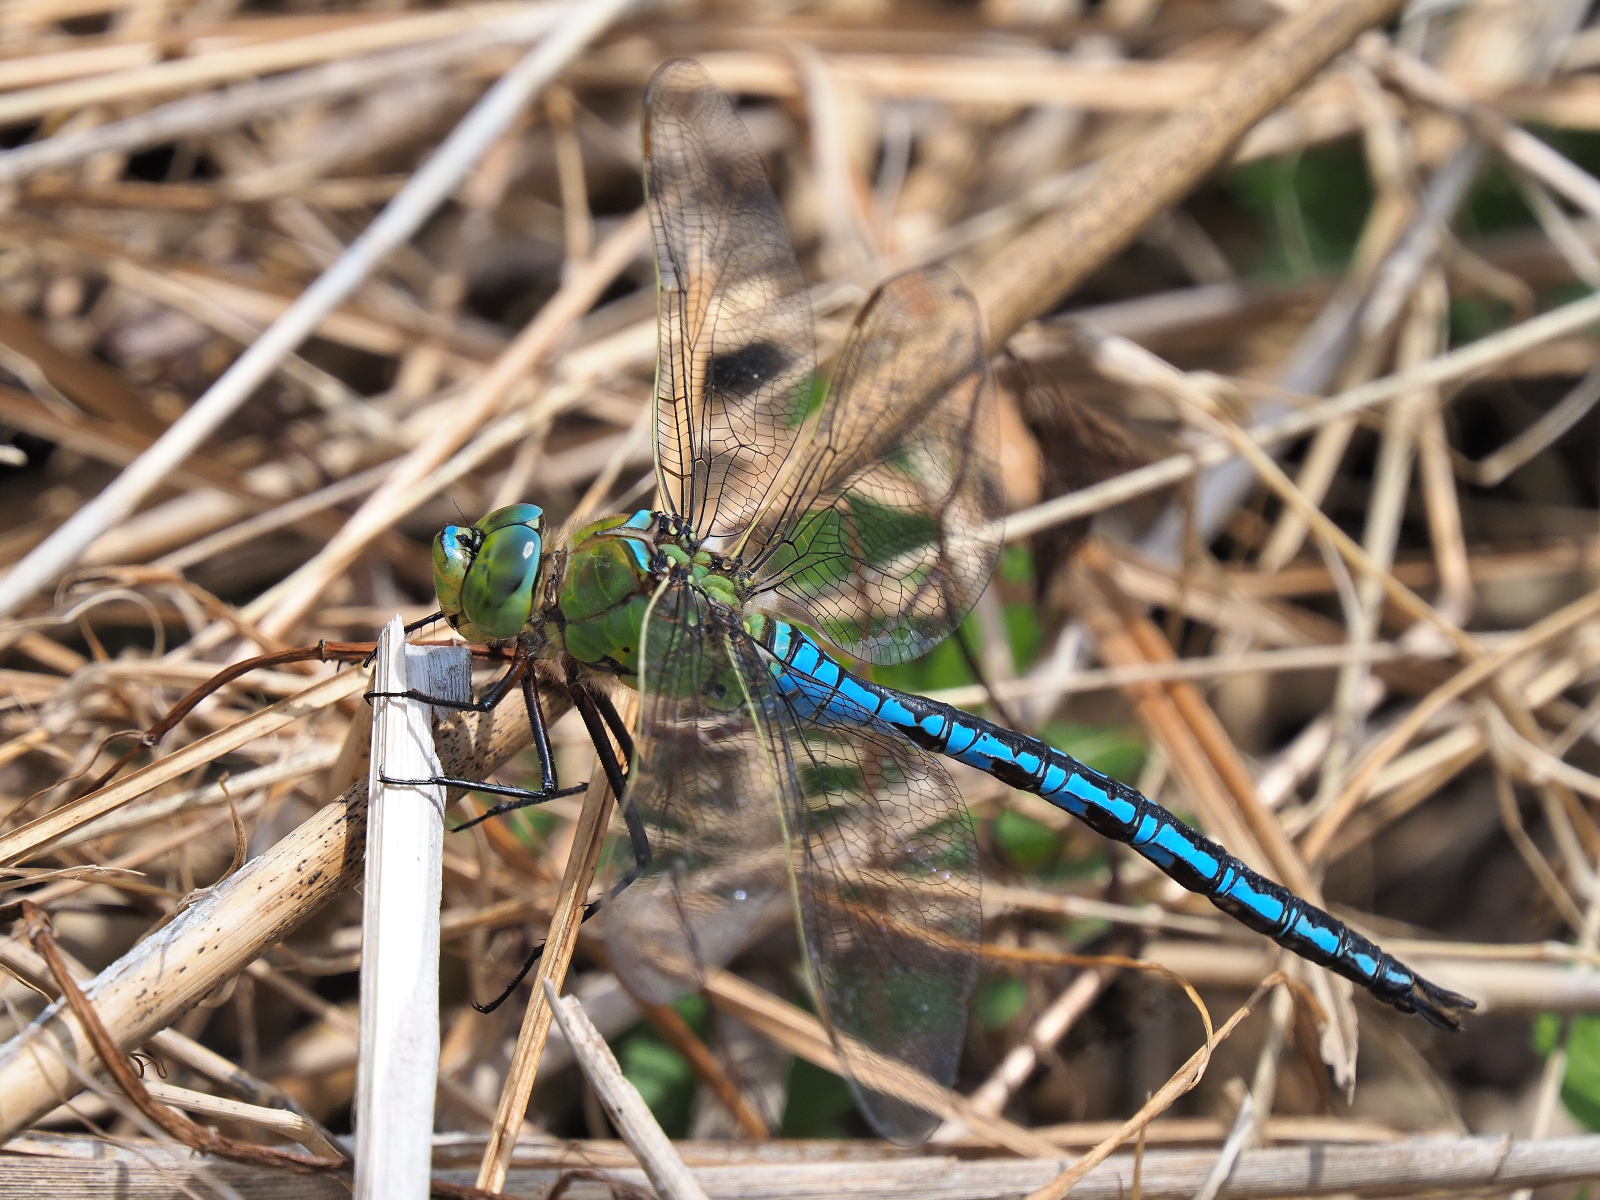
[(1294, 318)]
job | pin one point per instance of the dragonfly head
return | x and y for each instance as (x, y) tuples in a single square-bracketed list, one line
[(487, 573)]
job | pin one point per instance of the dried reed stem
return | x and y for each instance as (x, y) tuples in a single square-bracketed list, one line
[(1032, 275), (623, 1104), (587, 839)]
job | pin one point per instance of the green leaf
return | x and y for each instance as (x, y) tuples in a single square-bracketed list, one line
[(1024, 633), (999, 1000), (942, 667), (1027, 844), (663, 1076), (1473, 317), (1310, 205), (1580, 1089), (819, 1104), (1546, 1033), (1015, 566)]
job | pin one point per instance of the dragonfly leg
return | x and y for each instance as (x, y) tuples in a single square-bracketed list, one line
[(549, 786), (630, 813), (427, 620), (525, 798), (618, 729), (490, 700), (591, 706), (541, 739)]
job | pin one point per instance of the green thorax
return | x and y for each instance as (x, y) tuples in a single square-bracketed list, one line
[(614, 567)]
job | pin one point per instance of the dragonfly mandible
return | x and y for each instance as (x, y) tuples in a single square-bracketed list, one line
[(864, 513)]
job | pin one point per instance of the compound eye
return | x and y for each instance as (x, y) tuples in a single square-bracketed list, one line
[(452, 555), (497, 593), (530, 515)]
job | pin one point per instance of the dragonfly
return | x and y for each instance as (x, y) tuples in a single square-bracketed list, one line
[(800, 517)]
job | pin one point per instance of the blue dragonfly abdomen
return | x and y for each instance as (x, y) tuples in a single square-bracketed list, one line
[(822, 691)]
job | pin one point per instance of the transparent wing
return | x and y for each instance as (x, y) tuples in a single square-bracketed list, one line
[(737, 363), (886, 533), (889, 899), (703, 783)]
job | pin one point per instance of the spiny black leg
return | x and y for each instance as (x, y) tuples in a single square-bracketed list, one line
[(640, 841), (585, 702), (527, 966), (525, 798), (407, 631), (549, 786), (528, 800), (490, 700), (619, 729), (437, 615), (529, 963), (541, 739)]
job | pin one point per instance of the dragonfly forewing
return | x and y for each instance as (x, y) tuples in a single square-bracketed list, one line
[(737, 360)]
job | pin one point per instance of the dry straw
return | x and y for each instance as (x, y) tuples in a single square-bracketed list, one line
[(288, 290)]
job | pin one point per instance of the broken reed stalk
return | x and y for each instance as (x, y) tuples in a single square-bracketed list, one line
[(399, 221), (621, 1100), (562, 938), (232, 924)]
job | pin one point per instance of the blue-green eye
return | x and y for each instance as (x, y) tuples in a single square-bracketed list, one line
[(530, 515), (497, 592)]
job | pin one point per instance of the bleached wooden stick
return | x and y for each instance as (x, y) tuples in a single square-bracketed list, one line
[(398, 1063), (623, 1104)]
